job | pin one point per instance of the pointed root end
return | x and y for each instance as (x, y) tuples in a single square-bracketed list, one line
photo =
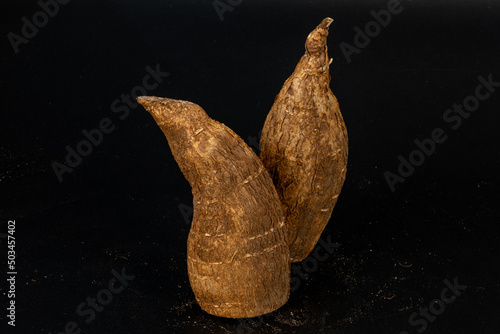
[(316, 41), (326, 23)]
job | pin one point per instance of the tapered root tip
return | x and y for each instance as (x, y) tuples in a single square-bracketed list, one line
[(142, 99), (316, 41), (162, 108), (148, 100), (325, 24)]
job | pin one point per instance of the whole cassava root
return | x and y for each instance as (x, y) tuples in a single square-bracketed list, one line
[(304, 146), (237, 255)]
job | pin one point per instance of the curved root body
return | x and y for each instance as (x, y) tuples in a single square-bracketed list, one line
[(237, 255), (304, 146)]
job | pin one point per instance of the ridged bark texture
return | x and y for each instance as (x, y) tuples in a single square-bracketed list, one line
[(237, 255), (304, 146)]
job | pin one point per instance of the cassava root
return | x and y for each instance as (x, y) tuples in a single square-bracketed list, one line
[(237, 255), (304, 146)]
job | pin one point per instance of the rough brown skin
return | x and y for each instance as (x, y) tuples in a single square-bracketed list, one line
[(304, 146), (237, 255)]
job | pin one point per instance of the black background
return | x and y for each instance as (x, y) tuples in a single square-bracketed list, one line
[(119, 208)]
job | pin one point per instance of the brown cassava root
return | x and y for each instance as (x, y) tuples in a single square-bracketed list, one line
[(304, 146), (237, 255)]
